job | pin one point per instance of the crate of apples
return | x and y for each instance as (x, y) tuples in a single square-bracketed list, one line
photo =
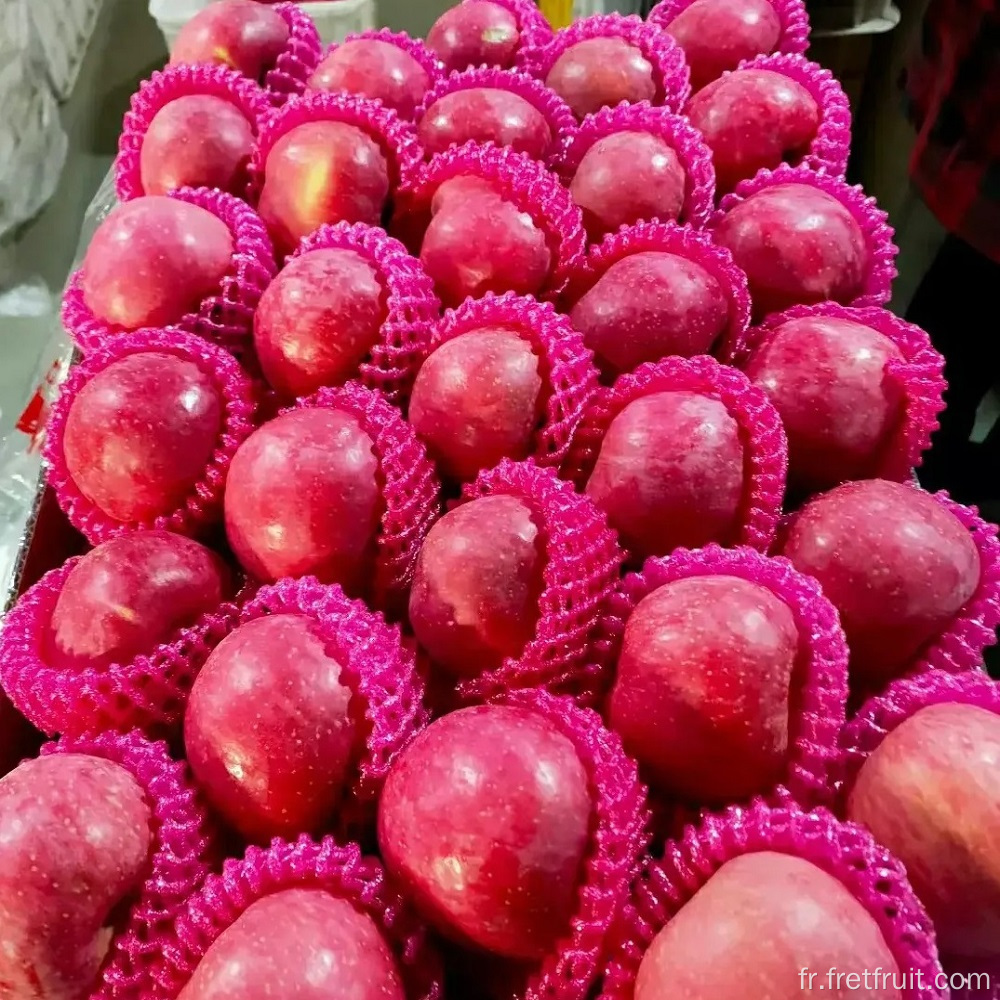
[(502, 574)]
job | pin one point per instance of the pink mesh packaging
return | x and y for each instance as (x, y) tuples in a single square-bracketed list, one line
[(694, 156), (296, 64), (843, 850), (380, 670), (565, 364), (765, 448), (519, 180), (791, 13), (570, 649), (872, 221), (919, 376), (410, 488), (831, 147), (225, 318), (202, 506), (670, 70), (148, 692), (560, 120), (820, 680), (339, 869), (411, 306), (413, 47), (180, 855), (692, 245), (182, 80), (618, 841)]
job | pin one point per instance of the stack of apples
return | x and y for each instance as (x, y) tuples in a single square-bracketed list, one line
[(507, 576)]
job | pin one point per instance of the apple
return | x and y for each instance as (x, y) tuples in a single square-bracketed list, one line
[(318, 320), (478, 242), (701, 698), (484, 821), (628, 177), (485, 114), (751, 119), (670, 473), (797, 245), (196, 141), (930, 793), (474, 600), (376, 69), (896, 564), (75, 842), (177, 255), (129, 595), (241, 34), (717, 35), (303, 498), (269, 730), (827, 379), (649, 306), (478, 398), (140, 434), (322, 172), (712, 947), (475, 33), (600, 73), (299, 944)]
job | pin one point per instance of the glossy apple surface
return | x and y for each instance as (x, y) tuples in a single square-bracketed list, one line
[(712, 947), (303, 498), (139, 435), (601, 73), (177, 255), (479, 33), (650, 306), (129, 595), (475, 595), (669, 473), (318, 320), (896, 564), (484, 820), (701, 698)]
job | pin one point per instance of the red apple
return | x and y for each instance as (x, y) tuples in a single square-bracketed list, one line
[(670, 473), (485, 114), (896, 564), (129, 595), (298, 944), (303, 498), (318, 320), (751, 119), (478, 399), (477, 243), (701, 698), (140, 434), (649, 306), (628, 177), (269, 731), (931, 794), (600, 73), (475, 595), (240, 34), (717, 35), (177, 255), (827, 380), (75, 839), (485, 822), (810, 921), (318, 173), (797, 245), (196, 141), (477, 33), (375, 69)]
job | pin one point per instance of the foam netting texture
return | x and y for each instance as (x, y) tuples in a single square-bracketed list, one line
[(290, 74)]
